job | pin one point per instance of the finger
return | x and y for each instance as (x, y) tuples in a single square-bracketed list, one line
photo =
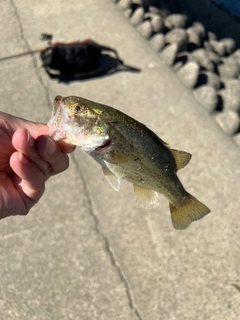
[(36, 129), (66, 146), (52, 154), (12, 123), (24, 143), (30, 181)]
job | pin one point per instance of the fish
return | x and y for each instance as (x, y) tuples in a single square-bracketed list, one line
[(127, 149)]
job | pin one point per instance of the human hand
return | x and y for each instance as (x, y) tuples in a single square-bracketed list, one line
[(28, 157)]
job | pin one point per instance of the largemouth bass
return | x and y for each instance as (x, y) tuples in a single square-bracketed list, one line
[(127, 149)]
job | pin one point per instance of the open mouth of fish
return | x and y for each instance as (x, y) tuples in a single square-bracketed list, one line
[(65, 125), (58, 121)]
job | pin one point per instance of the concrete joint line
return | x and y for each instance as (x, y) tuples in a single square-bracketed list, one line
[(107, 244)]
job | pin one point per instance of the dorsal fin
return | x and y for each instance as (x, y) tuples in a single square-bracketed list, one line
[(146, 198), (181, 158), (112, 179)]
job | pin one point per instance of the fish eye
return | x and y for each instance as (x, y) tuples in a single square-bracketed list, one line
[(77, 108)]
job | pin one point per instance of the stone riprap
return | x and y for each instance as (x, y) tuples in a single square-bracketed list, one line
[(201, 53)]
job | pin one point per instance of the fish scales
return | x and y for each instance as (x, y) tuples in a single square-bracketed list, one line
[(146, 150), (127, 149)]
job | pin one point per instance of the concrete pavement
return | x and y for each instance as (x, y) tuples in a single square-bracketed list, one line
[(86, 251)]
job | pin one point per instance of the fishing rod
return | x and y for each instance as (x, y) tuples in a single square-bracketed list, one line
[(43, 37)]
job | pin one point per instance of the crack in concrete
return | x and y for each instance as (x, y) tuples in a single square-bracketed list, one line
[(107, 244), (34, 60)]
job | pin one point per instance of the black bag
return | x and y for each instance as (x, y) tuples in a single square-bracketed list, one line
[(79, 60)]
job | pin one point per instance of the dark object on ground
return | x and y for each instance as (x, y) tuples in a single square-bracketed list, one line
[(81, 60), (76, 60)]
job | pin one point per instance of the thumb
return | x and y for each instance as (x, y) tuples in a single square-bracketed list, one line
[(11, 124)]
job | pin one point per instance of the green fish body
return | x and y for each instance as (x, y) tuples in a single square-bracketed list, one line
[(127, 149)]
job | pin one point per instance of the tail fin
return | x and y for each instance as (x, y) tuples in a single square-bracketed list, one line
[(191, 210)]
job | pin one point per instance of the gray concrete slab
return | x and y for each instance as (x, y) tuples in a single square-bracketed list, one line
[(86, 251)]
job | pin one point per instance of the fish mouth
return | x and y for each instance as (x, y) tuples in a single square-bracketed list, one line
[(58, 121)]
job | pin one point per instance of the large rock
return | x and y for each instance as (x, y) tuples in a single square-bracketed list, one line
[(157, 42), (228, 121), (189, 74), (207, 96), (178, 36)]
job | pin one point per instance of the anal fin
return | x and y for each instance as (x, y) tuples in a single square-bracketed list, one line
[(112, 179), (146, 198)]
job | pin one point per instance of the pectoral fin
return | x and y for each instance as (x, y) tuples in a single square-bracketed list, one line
[(146, 198), (123, 160), (112, 179), (118, 158), (181, 158)]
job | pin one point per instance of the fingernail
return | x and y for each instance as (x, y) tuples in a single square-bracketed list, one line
[(30, 140), (23, 159), (51, 146)]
